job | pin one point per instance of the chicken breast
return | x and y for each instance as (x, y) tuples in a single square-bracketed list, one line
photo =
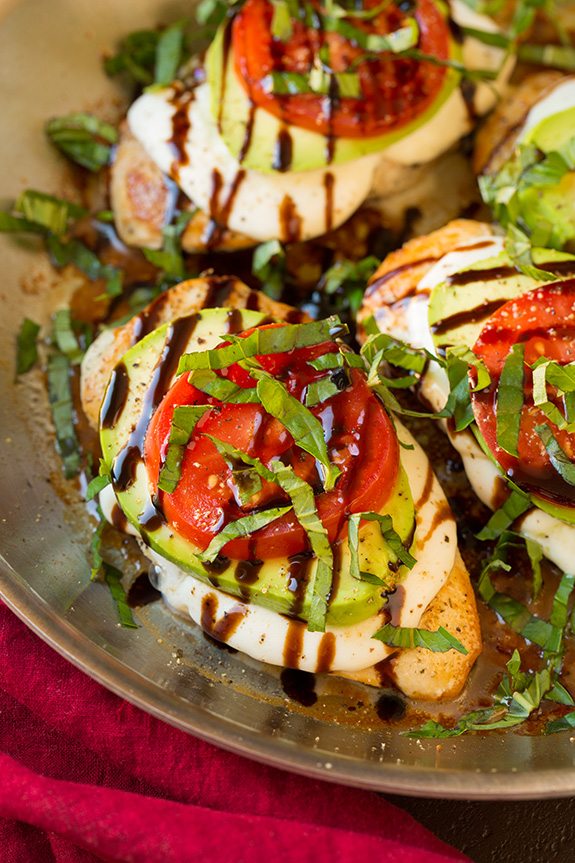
[(496, 138), (143, 201), (428, 676)]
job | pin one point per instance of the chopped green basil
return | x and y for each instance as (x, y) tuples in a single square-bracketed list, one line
[(223, 389), (74, 252), (325, 388), (184, 421), (96, 485), (390, 536), (510, 398), (47, 212), (565, 723), (26, 346), (515, 505), (557, 456), (83, 138), (535, 553), (303, 502), (60, 397), (281, 26), (64, 336), (241, 527), (275, 340), (113, 578), (169, 53), (136, 57), (304, 427), (325, 362), (404, 637), (269, 266)]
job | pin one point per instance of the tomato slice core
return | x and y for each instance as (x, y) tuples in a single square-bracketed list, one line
[(544, 321), (360, 440), (395, 90)]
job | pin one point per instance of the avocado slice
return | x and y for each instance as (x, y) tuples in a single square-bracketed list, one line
[(255, 134), (272, 584), (460, 306)]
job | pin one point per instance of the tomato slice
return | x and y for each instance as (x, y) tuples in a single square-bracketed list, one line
[(360, 438), (395, 90), (544, 320)]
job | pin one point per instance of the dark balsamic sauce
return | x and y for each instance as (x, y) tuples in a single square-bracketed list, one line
[(220, 211), (290, 221), (387, 277), (152, 517), (298, 577), (468, 316), (142, 592), (118, 518), (426, 491), (180, 129), (126, 464), (390, 707), (224, 628), (283, 151), (116, 397), (299, 686), (326, 653), (329, 182), (235, 321), (246, 573), (294, 643), (248, 135)]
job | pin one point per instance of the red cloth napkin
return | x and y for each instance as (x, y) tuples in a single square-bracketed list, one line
[(86, 776)]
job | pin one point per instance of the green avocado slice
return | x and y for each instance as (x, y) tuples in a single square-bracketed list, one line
[(254, 134), (273, 587), (460, 306)]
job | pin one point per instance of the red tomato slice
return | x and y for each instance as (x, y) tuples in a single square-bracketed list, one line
[(544, 320), (360, 437), (395, 90)]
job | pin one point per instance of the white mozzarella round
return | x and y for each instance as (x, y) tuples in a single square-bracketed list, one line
[(263, 634), (258, 200)]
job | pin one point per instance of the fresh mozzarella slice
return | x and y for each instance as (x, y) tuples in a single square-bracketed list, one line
[(290, 206), (270, 637)]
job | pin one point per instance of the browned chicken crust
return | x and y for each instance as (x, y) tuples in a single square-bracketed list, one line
[(495, 140), (143, 201), (400, 272)]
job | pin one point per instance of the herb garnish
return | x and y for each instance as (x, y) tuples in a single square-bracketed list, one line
[(302, 497), (62, 407), (391, 538), (510, 397), (241, 527), (26, 346), (83, 138), (405, 637), (184, 421)]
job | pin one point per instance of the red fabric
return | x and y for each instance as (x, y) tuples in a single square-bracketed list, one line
[(85, 776)]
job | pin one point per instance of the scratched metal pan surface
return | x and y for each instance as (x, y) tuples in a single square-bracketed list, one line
[(50, 56)]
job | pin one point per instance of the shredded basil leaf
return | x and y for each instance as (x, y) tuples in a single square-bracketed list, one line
[(60, 397), (275, 340), (74, 252), (515, 505), (113, 578), (557, 455), (83, 138), (326, 388), (241, 527), (304, 427), (281, 26), (65, 337), (45, 212), (565, 723), (26, 346), (510, 398), (389, 534), (325, 362), (184, 421), (96, 485), (223, 389), (404, 637), (169, 53), (136, 57), (269, 266), (535, 553), (303, 502)]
